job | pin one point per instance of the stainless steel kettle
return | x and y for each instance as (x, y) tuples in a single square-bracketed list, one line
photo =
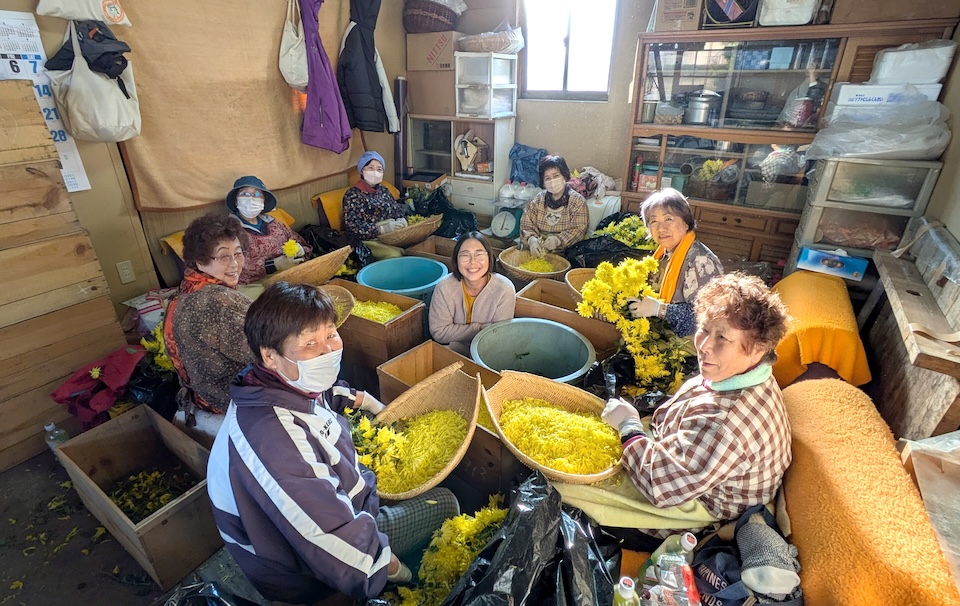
[(699, 105)]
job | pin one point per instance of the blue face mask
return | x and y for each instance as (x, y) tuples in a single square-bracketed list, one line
[(318, 374)]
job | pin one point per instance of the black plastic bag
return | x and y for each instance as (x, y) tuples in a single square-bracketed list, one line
[(615, 218), (594, 251), (205, 594), (454, 223), (326, 239), (542, 555), (154, 387)]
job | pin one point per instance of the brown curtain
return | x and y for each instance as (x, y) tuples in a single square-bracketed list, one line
[(214, 104)]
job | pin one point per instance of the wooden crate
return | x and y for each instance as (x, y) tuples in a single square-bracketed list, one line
[(370, 344), (553, 300), (177, 538), (441, 249), (406, 370), (489, 467)]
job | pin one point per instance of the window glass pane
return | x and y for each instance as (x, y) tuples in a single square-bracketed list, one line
[(591, 42), (547, 22)]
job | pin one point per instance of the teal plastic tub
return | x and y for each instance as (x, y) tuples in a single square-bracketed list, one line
[(540, 347), (414, 277)]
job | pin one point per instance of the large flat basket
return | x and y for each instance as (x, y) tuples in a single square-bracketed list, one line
[(315, 271), (412, 234), (513, 258)]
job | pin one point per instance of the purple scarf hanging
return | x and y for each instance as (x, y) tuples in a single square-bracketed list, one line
[(325, 122)]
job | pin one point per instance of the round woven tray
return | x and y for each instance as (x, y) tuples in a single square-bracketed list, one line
[(412, 234), (576, 278), (423, 16), (509, 42), (315, 271), (447, 389), (513, 258), (342, 298), (516, 385)]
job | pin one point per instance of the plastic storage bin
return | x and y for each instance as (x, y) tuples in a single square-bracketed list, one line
[(898, 186), (540, 347), (857, 231), (486, 85)]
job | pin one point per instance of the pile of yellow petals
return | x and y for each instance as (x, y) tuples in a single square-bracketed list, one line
[(404, 458), (631, 231), (484, 420), (452, 549), (141, 494), (537, 265), (578, 443), (412, 219), (376, 311)]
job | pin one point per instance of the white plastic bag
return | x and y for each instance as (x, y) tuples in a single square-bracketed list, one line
[(787, 12), (293, 49), (108, 11), (917, 63), (92, 105)]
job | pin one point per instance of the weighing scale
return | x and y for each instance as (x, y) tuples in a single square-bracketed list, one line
[(506, 222)]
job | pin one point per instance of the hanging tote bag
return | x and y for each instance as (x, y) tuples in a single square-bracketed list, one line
[(95, 107), (108, 11), (293, 49)]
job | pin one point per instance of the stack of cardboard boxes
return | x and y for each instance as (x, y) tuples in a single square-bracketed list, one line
[(430, 72)]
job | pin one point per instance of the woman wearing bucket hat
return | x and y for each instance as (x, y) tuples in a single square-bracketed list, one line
[(369, 208), (250, 201)]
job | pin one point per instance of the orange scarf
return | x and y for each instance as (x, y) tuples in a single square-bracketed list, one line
[(668, 285)]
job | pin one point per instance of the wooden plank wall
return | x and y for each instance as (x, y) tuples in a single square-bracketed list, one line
[(55, 309)]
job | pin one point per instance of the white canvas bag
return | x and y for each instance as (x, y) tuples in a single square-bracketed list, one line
[(108, 11), (92, 106), (293, 49)]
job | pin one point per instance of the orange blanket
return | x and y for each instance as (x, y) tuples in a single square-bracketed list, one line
[(859, 525), (823, 330)]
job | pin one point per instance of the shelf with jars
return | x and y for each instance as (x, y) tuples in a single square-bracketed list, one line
[(725, 116)]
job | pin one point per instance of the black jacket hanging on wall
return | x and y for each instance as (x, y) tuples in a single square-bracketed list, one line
[(363, 83)]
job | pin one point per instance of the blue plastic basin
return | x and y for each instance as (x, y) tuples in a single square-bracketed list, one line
[(413, 277), (540, 347)]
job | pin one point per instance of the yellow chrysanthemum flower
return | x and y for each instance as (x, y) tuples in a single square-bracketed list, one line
[(291, 248)]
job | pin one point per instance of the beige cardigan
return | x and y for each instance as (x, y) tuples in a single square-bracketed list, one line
[(448, 310)]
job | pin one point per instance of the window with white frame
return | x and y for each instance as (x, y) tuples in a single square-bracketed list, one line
[(568, 49)]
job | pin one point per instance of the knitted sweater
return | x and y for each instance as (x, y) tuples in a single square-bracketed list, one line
[(448, 310)]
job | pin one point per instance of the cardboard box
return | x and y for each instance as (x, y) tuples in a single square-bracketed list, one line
[(370, 344), (845, 93), (553, 300), (677, 15), (489, 467), (432, 93), (178, 537), (431, 51), (426, 180), (780, 196), (826, 262), (406, 370)]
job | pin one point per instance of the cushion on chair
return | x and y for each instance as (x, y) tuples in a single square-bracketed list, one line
[(824, 329), (174, 242), (859, 525)]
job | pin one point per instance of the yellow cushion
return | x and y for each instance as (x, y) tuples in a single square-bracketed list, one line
[(174, 242), (332, 202)]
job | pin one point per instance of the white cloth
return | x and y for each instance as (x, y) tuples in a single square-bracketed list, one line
[(601, 208)]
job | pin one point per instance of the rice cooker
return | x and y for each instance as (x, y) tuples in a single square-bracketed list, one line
[(699, 105)]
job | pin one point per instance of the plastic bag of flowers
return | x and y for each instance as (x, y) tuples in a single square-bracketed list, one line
[(554, 427), (416, 441)]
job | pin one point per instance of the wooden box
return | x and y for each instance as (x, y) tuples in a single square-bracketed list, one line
[(552, 300), (175, 539), (489, 467), (408, 369), (370, 344)]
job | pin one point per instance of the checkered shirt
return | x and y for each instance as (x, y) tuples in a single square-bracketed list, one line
[(728, 449), (569, 222)]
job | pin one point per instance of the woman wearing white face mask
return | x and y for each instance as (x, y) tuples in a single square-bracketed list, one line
[(556, 217), (300, 513), (369, 208), (250, 201)]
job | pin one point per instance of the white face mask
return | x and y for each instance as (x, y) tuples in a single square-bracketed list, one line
[(372, 177), (316, 374), (249, 206), (555, 186)]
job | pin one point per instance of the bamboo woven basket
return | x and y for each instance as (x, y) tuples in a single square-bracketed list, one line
[(513, 258), (423, 16), (515, 385), (342, 299), (576, 278), (412, 234), (315, 271), (447, 389)]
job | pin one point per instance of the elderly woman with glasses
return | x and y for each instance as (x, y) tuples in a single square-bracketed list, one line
[(472, 297), (203, 326)]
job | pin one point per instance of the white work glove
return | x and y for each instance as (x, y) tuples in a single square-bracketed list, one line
[(371, 404), (552, 243), (389, 225), (300, 251), (622, 416), (402, 575), (647, 307), (534, 244), (281, 263)]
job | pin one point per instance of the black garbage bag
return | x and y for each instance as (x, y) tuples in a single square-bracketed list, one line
[(154, 387), (455, 221), (205, 594), (544, 554), (525, 163), (326, 239), (594, 251)]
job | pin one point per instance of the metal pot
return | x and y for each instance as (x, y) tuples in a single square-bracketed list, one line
[(699, 106)]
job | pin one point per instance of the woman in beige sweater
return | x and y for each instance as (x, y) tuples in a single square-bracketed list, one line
[(472, 297)]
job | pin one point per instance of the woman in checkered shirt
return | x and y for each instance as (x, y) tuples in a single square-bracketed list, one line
[(723, 439)]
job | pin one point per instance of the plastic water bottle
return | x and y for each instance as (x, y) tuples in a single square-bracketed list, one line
[(506, 196), (530, 191), (54, 436), (626, 593), (681, 544)]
